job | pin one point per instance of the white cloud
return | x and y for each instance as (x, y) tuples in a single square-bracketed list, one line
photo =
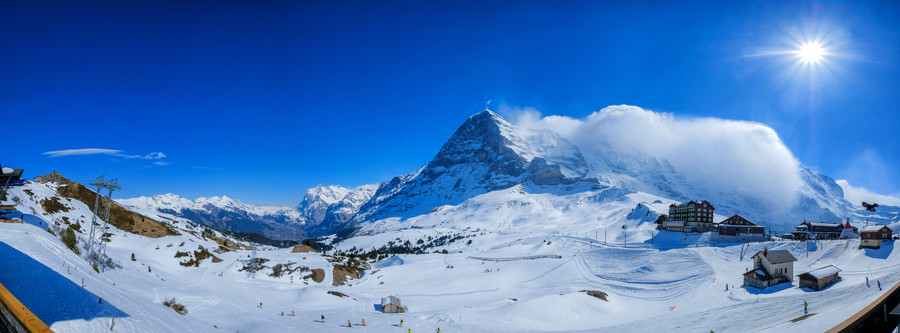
[(112, 152), (856, 195), (86, 151), (715, 155), (150, 156)]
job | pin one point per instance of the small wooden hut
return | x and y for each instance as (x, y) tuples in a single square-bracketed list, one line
[(392, 304), (820, 278)]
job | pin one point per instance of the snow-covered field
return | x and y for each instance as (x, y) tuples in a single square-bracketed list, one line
[(663, 287)]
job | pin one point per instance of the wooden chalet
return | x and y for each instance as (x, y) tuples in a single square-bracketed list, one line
[(739, 226), (820, 278), (818, 230), (873, 235), (770, 268)]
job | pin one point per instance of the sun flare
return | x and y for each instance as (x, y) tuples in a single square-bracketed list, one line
[(811, 53)]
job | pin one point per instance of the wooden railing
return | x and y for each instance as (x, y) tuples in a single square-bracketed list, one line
[(17, 317)]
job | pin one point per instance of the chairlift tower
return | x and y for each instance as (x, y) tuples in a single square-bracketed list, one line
[(96, 242)]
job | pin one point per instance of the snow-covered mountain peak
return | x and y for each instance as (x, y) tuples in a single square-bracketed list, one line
[(486, 153), (326, 194)]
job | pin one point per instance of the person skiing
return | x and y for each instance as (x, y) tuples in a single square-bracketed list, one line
[(867, 282), (805, 307), (323, 319), (292, 312), (401, 322), (349, 324), (282, 313), (364, 321), (260, 304), (439, 330), (879, 284)]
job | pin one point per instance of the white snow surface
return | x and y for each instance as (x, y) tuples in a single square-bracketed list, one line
[(601, 240)]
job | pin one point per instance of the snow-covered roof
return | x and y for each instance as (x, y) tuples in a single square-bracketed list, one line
[(7, 170), (759, 273), (823, 272), (827, 225), (390, 300), (873, 228)]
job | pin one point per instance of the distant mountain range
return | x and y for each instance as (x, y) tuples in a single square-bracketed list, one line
[(486, 154)]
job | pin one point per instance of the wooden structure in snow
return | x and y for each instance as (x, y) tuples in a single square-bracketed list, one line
[(770, 268), (392, 304), (820, 278), (873, 235)]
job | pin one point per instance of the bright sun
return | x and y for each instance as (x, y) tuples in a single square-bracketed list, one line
[(811, 53)]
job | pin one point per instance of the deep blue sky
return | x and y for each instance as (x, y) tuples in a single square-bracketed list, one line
[(259, 100)]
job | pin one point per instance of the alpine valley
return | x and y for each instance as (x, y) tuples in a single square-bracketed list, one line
[(510, 227)]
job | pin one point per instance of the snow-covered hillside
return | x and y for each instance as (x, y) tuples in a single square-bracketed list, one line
[(527, 277)]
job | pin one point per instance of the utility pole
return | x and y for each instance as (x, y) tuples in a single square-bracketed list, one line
[(97, 239)]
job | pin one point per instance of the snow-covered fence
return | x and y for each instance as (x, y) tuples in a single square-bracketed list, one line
[(543, 256)]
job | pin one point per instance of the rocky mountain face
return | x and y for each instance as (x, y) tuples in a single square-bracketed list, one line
[(486, 153), (326, 208)]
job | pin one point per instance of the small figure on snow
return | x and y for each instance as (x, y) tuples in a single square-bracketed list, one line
[(805, 307), (401, 322), (439, 330), (364, 321), (282, 313), (349, 324), (292, 313), (867, 282), (260, 304), (879, 284), (323, 319)]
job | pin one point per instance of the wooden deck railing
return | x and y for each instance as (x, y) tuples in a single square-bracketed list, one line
[(17, 317)]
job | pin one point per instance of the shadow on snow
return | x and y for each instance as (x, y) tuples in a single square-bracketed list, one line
[(769, 290), (49, 295), (880, 253)]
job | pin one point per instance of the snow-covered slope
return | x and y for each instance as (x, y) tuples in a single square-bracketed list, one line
[(510, 273)]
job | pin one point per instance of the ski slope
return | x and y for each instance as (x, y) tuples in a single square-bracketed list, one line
[(668, 289)]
